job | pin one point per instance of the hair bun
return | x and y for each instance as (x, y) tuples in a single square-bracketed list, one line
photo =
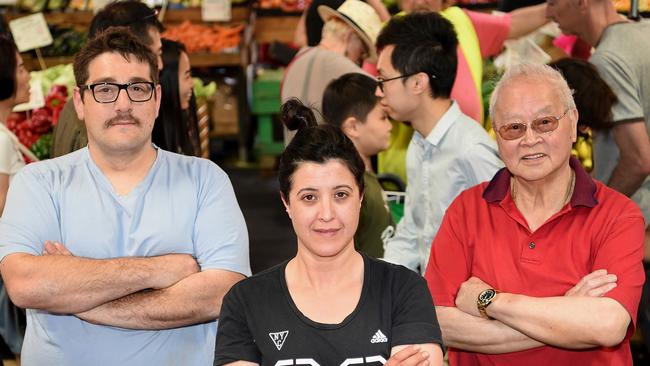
[(296, 116)]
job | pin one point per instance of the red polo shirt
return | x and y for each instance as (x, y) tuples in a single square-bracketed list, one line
[(483, 234)]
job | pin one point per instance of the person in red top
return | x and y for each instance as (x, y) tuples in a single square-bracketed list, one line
[(541, 265)]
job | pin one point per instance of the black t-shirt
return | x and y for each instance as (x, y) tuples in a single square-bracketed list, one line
[(260, 323)]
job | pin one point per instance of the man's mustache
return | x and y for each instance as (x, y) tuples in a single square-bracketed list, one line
[(122, 118)]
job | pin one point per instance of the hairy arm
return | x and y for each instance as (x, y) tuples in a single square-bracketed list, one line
[(464, 328), (67, 284), (580, 319), (194, 299), (527, 19), (568, 322), (471, 333), (634, 163)]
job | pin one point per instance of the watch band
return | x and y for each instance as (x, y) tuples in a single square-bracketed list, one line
[(484, 300)]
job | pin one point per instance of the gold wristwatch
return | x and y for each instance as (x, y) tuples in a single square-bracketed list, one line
[(484, 300)]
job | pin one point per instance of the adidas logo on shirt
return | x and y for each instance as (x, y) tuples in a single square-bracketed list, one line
[(278, 338), (379, 337)]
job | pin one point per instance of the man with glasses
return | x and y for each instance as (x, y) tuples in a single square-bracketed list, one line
[(120, 251), (70, 133), (541, 265), (449, 152)]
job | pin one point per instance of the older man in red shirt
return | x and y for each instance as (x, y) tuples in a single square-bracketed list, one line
[(542, 265)]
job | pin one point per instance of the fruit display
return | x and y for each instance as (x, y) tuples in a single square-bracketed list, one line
[(582, 149), (202, 37), (34, 128), (202, 90), (286, 5)]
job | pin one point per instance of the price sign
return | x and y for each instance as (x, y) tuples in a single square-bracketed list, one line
[(216, 10), (30, 32)]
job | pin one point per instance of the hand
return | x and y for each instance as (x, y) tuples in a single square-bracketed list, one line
[(409, 356), (55, 248), (468, 294), (172, 268), (595, 284)]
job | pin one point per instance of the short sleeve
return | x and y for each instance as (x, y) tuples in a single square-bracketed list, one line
[(620, 77), (414, 316), (235, 341), (491, 30), (220, 234), (449, 259), (7, 152), (621, 253), (25, 227)]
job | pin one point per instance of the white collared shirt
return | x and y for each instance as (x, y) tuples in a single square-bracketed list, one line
[(456, 155)]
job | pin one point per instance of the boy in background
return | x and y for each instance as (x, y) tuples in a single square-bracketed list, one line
[(349, 102)]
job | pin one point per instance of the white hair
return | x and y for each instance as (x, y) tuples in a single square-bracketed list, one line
[(335, 29), (543, 74)]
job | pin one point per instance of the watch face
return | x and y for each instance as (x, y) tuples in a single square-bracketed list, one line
[(486, 295)]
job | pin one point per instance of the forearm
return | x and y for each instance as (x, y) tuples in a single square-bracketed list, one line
[(467, 332), (433, 353), (195, 299), (526, 20), (627, 176), (67, 284), (574, 322), (634, 163)]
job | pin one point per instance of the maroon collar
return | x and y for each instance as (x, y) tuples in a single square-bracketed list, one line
[(584, 193)]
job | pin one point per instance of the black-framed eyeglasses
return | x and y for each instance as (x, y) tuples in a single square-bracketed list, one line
[(542, 125), (381, 81), (139, 91)]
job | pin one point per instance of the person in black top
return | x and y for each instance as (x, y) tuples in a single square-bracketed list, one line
[(329, 305)]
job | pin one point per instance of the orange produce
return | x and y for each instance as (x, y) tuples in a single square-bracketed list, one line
[(205, 38)]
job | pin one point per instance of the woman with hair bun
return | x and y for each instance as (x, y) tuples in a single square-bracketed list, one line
[(328, 305)]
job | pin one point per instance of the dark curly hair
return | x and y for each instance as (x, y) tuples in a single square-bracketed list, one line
[(314, 143), (114, 40)]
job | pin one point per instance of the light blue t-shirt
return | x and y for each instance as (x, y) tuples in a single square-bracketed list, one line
[(184, 205)]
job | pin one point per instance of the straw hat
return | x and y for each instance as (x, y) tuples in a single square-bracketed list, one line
[(361, 17)]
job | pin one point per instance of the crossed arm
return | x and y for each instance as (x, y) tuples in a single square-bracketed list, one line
[(137, 293), (580, 319)]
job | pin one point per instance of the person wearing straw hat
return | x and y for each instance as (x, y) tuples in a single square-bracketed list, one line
[(348, 39)]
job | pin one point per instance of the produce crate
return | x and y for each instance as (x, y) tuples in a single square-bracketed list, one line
[(266, 103)]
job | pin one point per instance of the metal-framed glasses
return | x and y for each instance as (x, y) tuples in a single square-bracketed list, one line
[(381, 81), (139, 91), (542, 125)]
